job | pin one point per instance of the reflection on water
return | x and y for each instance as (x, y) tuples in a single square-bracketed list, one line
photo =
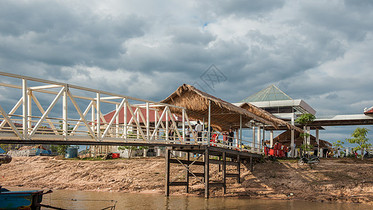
[(99, 200)]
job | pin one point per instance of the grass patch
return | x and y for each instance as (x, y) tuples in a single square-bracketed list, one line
[(287, 160)]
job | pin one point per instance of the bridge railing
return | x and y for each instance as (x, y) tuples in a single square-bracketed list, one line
[(43, 110), (219, 139), (37, 109)]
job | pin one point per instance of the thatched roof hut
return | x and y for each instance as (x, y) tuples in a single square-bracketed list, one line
[(268, 116), (224, 115), (284, 138)]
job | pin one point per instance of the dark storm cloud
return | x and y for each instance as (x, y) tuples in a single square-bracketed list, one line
[(254, 43), (243, 8), (54, 34), (319, 51), (351, 21)]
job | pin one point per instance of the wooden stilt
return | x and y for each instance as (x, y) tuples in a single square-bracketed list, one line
[(251, 164), (219, 164), (167, 190), (224, 173), (238, 168), (187, 174), (207, 174)]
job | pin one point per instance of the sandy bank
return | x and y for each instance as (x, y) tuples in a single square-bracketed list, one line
[(333, 180)]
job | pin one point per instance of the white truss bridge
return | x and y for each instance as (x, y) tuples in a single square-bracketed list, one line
[(38, 111)]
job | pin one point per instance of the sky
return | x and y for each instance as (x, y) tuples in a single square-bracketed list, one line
[(318, 51)]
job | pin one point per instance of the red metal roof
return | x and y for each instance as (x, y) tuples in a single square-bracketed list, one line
[(110, 115), (369, 111)]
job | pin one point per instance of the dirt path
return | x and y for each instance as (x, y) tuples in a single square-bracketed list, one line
[(333, 180)]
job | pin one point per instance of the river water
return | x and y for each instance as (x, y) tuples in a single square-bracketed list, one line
[(99, 200)]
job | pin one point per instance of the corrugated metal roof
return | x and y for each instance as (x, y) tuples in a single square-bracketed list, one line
[(369, 111), (271, 93)]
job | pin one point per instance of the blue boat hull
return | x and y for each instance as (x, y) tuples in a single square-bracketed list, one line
[(29, 199)]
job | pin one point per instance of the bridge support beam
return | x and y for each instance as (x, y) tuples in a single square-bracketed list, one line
[(187, 174), (167, 185), (207, 173), (224, 172)]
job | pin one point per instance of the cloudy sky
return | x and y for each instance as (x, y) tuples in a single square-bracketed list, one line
[(319, 51)]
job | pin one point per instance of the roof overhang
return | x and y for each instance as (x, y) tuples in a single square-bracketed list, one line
[(344, 120), (298, 104), (224, 115)]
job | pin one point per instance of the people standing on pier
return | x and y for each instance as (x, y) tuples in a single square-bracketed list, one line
[(225, 138), (187, 134), (230, 137), (199, 131), (338, 153), (171, 132)]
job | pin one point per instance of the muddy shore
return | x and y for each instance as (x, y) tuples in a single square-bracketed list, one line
[(333, 180)]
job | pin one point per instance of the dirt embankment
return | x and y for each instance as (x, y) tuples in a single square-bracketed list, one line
[(333, 180)]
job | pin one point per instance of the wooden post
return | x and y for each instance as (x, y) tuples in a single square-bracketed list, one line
[(209, 125), (187, 174), (258, 138), (318, 142), (183, 125), (251, 164), (207, 174), (224, 173), (238, 168), (253, 143), (219, 164), (167, 186), (271, 139), (240, 139)]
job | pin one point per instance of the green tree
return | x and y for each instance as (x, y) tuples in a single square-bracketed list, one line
[(129, 148), (304, 120), (359, 137), (60, 149), (132, 148), (306, 147), (338, 144)]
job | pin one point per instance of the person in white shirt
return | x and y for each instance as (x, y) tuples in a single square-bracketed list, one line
[(187, 134), (199, 131)]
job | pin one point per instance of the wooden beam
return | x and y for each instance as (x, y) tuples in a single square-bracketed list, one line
[(220, 162), (216, 184), (224, 173), (187, 162), (231, 175), (178, 184), (251, 164), (167, 185), (187, 174), (207, 174), (197, 174), (238, 169)]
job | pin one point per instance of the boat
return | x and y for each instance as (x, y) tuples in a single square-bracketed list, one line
[(27, 199), (4, 159)]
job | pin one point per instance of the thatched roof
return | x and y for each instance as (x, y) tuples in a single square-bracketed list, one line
[(268, 116), (224, 115), (285, 138)]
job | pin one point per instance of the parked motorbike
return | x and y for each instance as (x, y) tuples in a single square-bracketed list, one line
[(308, 160)]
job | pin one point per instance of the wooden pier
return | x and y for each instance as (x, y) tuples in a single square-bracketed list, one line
[(206, 151)]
